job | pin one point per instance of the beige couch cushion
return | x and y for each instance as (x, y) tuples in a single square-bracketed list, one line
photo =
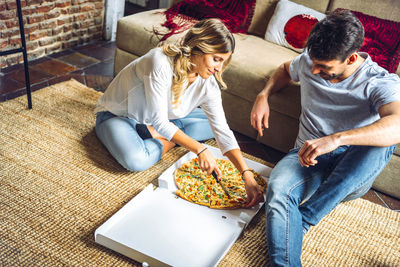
[(251, 66), (122, 59), (135, 32), (388, 180), (262, 14), (237, 112)]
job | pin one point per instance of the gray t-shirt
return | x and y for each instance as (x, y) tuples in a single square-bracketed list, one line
[(327, 108)]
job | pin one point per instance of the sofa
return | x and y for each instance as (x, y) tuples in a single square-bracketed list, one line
[(254, 60)]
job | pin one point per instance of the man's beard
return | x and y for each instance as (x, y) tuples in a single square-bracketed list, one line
[(329, 77)]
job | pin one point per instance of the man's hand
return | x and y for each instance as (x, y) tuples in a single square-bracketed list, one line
[(260, 114), (254, 192), (316, 147)]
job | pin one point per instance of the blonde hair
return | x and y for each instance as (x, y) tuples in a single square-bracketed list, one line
[(205, 37)]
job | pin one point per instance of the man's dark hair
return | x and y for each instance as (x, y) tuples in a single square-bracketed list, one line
[(337, 36)]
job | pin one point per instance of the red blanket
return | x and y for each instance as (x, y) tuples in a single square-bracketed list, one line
[(235, 14), (382, 40)]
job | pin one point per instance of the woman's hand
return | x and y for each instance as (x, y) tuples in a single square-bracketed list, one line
[(207, 163), (206, 159), (255, 194)]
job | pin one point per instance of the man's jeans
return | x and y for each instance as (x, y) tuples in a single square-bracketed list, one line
[(119, 135), (298, 197)]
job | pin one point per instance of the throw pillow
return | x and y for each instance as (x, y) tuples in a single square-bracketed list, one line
[(381, 41), (291, 24)]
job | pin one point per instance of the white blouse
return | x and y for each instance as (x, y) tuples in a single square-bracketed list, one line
[(142, 91)]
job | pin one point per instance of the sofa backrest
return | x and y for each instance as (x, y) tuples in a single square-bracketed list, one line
[(384, 9), (265, 9)]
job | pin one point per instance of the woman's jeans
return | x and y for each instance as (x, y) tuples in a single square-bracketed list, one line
[(120, 137), (298, 197)]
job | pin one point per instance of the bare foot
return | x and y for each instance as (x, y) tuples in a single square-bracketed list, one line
[(167, 145)]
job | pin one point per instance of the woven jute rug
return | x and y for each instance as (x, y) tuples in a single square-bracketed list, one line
[(58, 184)]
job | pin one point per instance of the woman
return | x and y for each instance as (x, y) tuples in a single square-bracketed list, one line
[(152, 104)]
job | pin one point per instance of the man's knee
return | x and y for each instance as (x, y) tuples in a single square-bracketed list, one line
[(277, 188), (280, 181), (277, 197), (383, 153)]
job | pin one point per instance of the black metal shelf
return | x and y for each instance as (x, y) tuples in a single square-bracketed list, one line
[(22, 50)]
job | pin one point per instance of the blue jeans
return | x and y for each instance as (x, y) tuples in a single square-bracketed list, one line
[(298, 197), (120, 137)]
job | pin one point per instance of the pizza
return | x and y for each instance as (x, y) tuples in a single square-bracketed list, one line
[(196, 186)]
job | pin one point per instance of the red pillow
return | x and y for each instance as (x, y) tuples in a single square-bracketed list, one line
[(382, 40), (298, 28)]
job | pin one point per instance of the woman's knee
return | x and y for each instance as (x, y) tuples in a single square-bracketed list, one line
[(135, 162), (141, 159)]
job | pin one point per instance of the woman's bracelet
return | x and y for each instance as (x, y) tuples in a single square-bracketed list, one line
[(246, 171), (198, 154)]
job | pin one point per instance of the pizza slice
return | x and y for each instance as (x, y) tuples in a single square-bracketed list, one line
[(191, 187)]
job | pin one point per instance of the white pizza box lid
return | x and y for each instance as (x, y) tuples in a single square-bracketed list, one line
[(158, 228)]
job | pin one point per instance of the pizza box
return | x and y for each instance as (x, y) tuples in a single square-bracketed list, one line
[(157, 228)]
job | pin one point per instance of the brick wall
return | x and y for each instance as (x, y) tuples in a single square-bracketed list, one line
[(50, 26)]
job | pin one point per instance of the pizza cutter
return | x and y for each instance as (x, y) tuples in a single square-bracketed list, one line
[(214, 174)]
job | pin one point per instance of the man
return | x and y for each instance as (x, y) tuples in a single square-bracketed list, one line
[(349, 125)]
